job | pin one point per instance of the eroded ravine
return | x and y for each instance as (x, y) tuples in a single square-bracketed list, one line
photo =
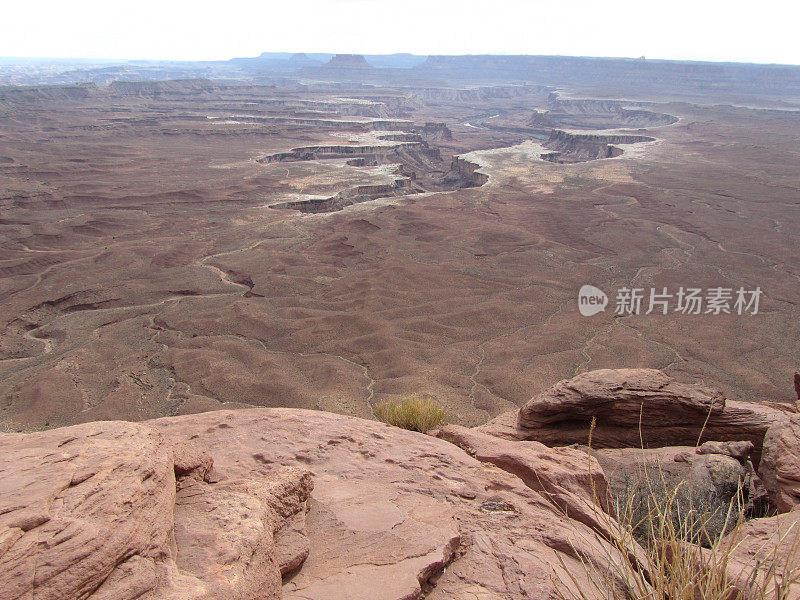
[(420, 167)]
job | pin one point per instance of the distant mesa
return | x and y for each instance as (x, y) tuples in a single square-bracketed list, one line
[(279, 61), (301, 59), (348, 61)]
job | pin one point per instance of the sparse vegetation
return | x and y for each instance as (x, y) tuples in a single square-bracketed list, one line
[(674, 568), (414, 412), (670, 544), (700, 517)]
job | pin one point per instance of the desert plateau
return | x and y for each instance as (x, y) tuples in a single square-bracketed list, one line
[(177, 246), (212, 274)]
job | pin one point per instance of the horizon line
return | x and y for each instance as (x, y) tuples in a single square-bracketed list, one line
[(365, 54)]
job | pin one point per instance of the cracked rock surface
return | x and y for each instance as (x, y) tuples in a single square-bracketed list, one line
[(220, 505)]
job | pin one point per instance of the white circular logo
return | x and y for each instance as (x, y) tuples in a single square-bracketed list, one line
[(591, 300)]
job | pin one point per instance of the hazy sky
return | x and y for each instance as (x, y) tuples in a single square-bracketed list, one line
[(765, 31)]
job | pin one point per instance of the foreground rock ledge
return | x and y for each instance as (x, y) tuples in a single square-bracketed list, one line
[(285, 503), (220, 505)]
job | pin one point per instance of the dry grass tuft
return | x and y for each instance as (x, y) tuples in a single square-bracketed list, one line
[(412, 412), (702, 517), (675, 546)]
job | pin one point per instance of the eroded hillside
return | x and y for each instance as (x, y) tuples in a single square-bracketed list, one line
[(174, 247)]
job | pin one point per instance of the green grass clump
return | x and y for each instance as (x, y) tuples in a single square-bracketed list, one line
[(414, 413)]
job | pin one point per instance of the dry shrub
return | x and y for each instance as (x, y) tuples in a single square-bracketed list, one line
[(411, 412), (682, 547), (701, 517)]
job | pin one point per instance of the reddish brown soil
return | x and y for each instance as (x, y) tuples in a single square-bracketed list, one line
[(143, 274)]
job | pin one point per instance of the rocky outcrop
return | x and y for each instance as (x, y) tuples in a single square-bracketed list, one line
[(71, 513), (713, 474), (319, 123), (296, 504), (604, 114), (27, 94), (347, 67), (215, 506), (158, 89), (469, 170), (622, 397), (354, 195), (421, 166), (569, 478), (636, 408), (580, 147), (434, 131), (780, 463), (763, 553), (117, 511), (433, 95), (377, 153), (348, 61)]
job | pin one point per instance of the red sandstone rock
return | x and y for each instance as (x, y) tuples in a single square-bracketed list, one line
[(617, 395), (214, 506), (292, 544), (77, 503), (634, 407), (394, 512), (571, 479), (781, 406), (780, 463), (760, 543), (95, 511), (224, 532)]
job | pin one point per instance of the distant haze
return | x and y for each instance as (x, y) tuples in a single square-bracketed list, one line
[(177, 29)]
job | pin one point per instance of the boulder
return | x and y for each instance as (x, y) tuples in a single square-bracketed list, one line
[(741, 451), (717, 476), (617, 396), (780, 463), (622, 466), (711, 478), (635, 407)]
